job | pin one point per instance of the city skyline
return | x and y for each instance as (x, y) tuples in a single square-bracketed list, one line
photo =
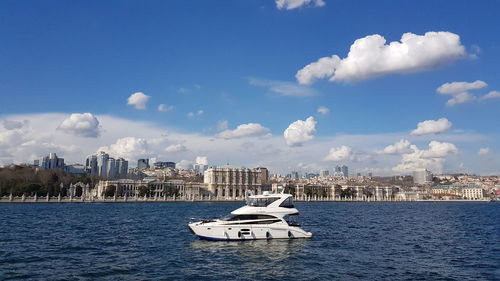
[(288, 85)]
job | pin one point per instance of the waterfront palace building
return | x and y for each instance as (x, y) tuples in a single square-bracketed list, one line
[(234, 182)]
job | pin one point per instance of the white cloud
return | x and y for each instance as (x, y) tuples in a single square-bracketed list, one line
[(201, 160), (339, 153), (41, 137), (300, 131), (138, 100), (460, 87), (184, 164), (464, 97), (484, 151), (164, 108), (284, 88), (323, 110), (293, 4), (128, 148), (371, 57), (175, 148), (460, 92), (81, 124), (197, 113), (400, 147), (432, 159), (491, 95), (244, 130), (432, 127)]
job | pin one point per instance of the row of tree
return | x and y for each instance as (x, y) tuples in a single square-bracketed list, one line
[(21, 179)]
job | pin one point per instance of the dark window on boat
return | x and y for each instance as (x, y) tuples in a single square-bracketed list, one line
[(250, 217), (268, 221), (261, 202), (287, 203)]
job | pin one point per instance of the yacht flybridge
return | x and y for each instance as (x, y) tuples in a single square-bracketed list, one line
[(265, 216)]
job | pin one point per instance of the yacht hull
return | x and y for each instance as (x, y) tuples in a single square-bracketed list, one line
[(216, 232)]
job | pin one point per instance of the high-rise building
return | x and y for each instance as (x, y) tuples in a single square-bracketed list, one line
[(422, 176), (102, 165), (200, 168), (143, 163), (51, 161), (324, 173), (91, 164), (345, 171), (121, 166)]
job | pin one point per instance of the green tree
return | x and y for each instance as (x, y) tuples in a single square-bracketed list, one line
[(110, 190), (142, 190), (349, 192)]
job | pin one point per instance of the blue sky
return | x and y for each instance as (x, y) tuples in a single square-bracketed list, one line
[(226, 58)]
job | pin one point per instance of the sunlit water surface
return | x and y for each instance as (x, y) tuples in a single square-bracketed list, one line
[(150, 241)]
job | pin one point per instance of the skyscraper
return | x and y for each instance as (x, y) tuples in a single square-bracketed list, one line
[(102, 165), (324, 173), (143, 163), (345, 171), (51, 161)]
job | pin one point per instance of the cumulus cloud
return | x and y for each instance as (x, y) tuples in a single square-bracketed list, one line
[(491, 95), (300, 131), (164, 108), (339, 153), (323, 110), (175, 148), (81, 124), (432, 127), (460, 87), (400, 147), (484, 151), (128, 148), (284, 88), (184, 164), (244, 130), (138, 100), (464, 97), (371, 57), (293, 4), (201, 160), (432, 159), (41, 137), (460, 92)]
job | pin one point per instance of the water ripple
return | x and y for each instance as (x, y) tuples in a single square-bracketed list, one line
[(352, 241)]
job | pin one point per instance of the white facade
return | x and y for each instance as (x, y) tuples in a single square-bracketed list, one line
[(422, 176), (154, 187), (232, 182)]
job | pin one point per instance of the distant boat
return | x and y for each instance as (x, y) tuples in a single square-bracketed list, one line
[(265, 216)]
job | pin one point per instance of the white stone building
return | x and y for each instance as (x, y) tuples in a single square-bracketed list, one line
[(233, 182)]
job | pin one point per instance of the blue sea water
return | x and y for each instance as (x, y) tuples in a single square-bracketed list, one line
[(150, 241)]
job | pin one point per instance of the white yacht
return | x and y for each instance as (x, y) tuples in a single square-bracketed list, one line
[(265, 216)]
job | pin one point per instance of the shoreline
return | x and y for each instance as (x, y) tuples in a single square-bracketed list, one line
[(17, 200)]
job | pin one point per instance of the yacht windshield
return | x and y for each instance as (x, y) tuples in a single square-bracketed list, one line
[(287, 203), (250, 217), (261, 202)]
